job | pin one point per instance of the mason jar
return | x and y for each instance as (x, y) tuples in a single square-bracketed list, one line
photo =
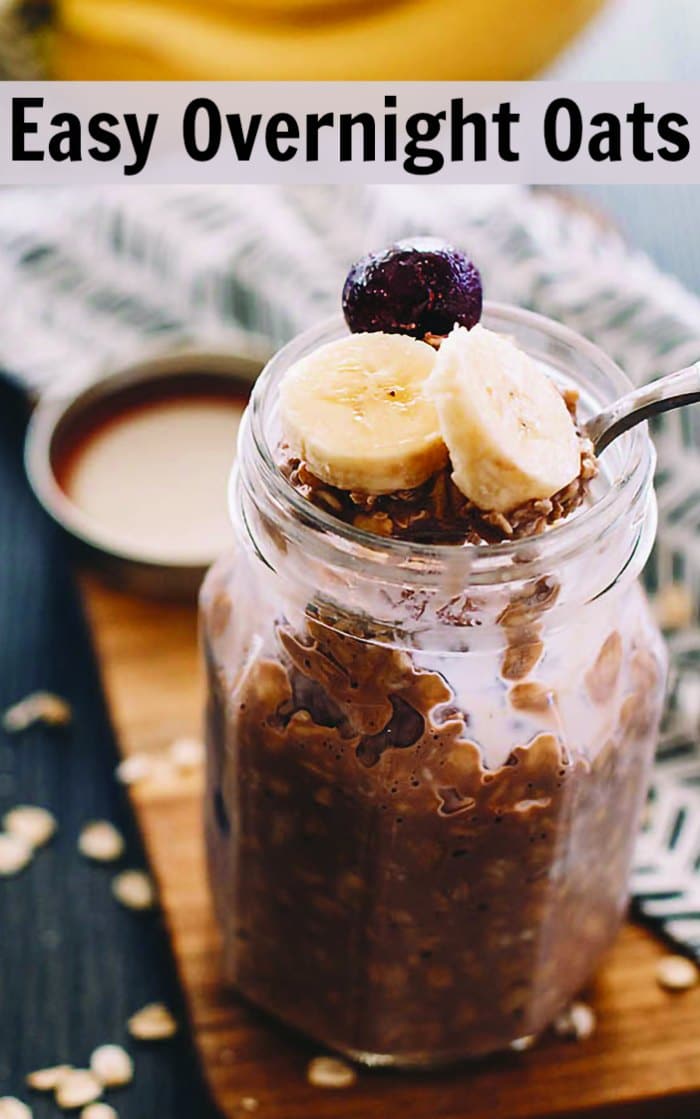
[(426, 763)]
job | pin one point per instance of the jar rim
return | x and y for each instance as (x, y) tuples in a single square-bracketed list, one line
[(347, 545)]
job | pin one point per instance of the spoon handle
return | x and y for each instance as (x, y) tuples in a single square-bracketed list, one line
[(668, 392)]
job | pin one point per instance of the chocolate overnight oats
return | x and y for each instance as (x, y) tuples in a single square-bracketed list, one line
[(434, 682), (437, 510)]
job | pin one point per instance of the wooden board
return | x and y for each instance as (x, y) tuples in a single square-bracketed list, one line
[(643, 1060)]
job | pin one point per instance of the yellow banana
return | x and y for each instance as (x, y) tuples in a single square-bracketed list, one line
[(312, 39)]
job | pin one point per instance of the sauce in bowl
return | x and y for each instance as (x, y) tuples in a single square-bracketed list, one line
[(136, 466), (152, 476)]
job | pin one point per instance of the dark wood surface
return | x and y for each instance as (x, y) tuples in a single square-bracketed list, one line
[(643, 1060), (73, 963)]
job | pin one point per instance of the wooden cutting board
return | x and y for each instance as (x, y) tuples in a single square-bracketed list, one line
[(644, 1058)]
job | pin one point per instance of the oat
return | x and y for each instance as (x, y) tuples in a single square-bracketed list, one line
[(499, 522), (330, 1072), (112, 1066), (12, 1108), (30, 822), (162, 771), (134, 768), (676, 973), (187, 753), (77, 1088), (39, 707), (520, 658), (437, 510), (531, 697), (99, 840), (379, 523), (577, 1022), (47, 1079), (601, 679), (15, 854), (98, 1111), (152, 1023), (673, 606), (521, 1044), (220, 613), (434, 340), (134, 889), (325, 497), (526, 606)]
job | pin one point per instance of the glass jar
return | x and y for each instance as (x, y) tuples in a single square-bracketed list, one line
[(426, 764)]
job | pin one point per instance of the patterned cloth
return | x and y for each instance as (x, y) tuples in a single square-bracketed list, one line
[(89, 279)]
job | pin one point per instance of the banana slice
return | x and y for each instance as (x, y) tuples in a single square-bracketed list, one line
[(506, 426), (356, 412)]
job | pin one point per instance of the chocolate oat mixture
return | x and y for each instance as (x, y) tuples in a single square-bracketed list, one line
[(389, 893), (437, 512)]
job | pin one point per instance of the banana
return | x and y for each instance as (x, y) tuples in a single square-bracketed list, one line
[(508, 431), (355, 411), (319, 39)]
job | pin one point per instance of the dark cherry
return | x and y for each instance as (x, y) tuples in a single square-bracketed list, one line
[(420, 286)]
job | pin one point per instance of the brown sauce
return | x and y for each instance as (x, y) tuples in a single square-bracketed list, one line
[(148, 467)]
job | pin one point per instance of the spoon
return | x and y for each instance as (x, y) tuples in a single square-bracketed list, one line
[(668, 392)]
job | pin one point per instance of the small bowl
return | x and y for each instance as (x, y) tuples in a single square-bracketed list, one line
[(57, 426)]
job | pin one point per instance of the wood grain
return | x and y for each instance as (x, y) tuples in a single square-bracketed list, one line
[(643, 1060)]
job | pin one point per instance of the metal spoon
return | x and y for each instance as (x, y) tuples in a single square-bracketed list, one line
[(668, 392)]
